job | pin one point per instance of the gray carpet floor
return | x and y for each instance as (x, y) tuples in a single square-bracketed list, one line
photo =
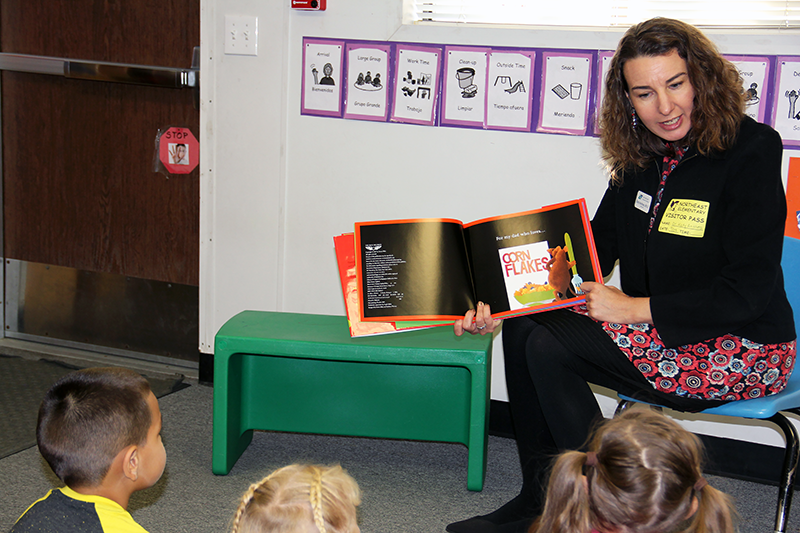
[(408, 486), (24, 382)]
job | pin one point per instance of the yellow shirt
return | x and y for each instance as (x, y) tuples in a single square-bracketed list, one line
[(66, 511)]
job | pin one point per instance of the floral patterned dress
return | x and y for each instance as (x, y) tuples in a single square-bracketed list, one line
[(725, 368)]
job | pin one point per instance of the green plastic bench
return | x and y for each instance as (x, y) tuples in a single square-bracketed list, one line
[(303, 373)]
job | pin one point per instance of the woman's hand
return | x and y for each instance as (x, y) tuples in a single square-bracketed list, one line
[(477, 321), (609, 304)]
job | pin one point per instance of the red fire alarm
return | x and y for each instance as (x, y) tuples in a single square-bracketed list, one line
[(312, 5)]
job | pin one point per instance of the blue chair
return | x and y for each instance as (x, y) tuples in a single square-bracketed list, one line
[(770, 407)]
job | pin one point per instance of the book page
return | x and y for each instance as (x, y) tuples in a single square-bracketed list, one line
[(416, 269), (526, 262), (346, 260)]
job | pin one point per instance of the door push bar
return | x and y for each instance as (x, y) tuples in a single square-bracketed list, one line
[(176, 78)]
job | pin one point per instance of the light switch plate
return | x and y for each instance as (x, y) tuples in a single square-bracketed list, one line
[(241, 35)]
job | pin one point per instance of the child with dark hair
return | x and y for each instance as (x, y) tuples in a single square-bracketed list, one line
[(642, 474), (99, 429)]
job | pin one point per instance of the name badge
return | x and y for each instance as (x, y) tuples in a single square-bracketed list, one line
[(643, 201), (685, 217)]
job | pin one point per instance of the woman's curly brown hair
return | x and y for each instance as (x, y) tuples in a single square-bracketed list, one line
[(718, 102)]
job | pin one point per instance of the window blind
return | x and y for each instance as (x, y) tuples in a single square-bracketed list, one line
[(605, 13)]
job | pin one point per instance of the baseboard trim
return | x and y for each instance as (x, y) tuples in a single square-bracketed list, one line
[(747, 461), (206, 369)]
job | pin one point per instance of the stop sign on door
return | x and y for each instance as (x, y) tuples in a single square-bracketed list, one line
[(178, 150)]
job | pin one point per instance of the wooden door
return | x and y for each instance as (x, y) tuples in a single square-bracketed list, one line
[(80, 192)]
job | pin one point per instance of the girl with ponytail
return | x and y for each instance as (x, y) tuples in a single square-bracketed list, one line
[(643, 474)]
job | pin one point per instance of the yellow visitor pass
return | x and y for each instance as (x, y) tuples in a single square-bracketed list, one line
[(685, 217)]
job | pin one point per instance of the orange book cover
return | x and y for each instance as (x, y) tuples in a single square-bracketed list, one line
[(437, 268), (793, 199), (344, 246)]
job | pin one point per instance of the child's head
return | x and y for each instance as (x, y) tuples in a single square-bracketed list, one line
[(643, 473), (300, 499), (90, 416)]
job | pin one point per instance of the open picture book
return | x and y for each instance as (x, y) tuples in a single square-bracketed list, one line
[(423, 270)]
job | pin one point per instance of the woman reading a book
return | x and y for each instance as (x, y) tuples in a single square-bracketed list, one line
[(694, 213)]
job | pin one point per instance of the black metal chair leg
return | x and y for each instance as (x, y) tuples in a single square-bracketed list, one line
[(622, 405), (790, 461)]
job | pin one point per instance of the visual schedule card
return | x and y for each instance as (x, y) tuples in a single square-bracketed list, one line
[(508, 103), (786, 114), (755, 72), (464, 94), (366, 94), (416, 84), (604, 65), (322, 77), (564, 96)]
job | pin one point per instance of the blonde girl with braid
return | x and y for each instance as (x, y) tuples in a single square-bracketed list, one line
[(643, 474), (300, 499)]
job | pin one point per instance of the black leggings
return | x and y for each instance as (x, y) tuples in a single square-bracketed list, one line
[(552, 406)]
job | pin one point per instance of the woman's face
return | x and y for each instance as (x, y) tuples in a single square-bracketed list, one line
[(661, 93)]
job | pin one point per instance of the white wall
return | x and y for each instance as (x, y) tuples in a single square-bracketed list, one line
[(277, 186)]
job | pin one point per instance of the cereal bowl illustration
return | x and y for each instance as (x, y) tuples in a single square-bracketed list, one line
[(535, 294)]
